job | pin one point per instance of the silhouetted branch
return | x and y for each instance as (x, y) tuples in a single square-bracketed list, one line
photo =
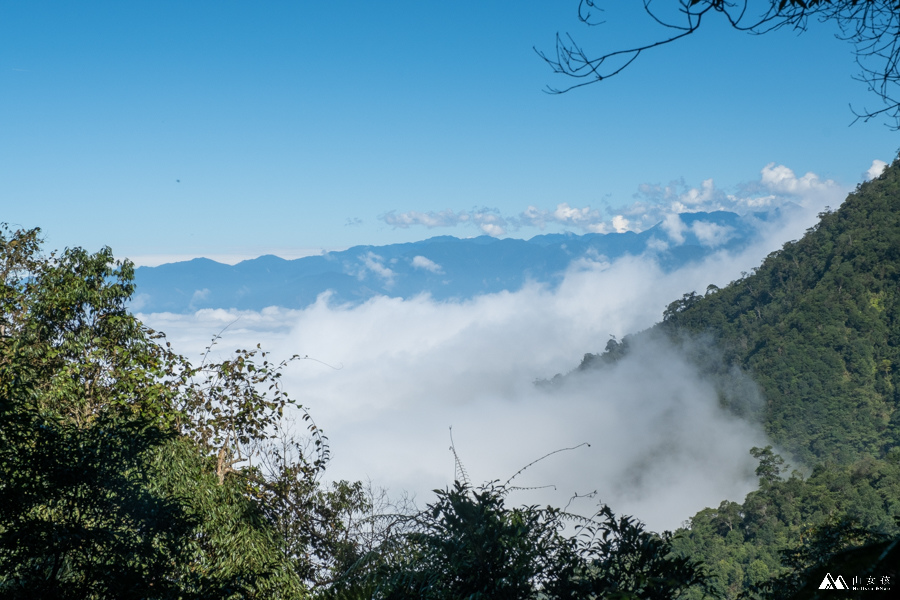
[(872, 26), (534, 462)]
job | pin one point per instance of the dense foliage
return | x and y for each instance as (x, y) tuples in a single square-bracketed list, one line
[(818, 327), (124, 470), (765, 544), (468, 544)]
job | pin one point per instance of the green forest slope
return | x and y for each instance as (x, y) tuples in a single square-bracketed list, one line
[(817, 327)]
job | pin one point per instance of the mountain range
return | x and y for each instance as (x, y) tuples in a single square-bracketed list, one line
[(444, 267)]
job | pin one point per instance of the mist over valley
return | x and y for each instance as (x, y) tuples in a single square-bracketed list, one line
[(393, 371)]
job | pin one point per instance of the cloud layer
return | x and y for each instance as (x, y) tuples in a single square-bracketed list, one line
[(396, 374), (776, 187), (488, 220)]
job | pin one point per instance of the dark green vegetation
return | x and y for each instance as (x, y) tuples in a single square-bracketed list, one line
[(817, 326), (123, 470), (765, 546), (127, 472), (468, 544)]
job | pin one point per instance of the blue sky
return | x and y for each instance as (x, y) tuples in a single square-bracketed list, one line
[(236, 128)]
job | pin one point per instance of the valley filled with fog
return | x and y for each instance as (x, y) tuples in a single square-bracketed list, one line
[(388, 378)]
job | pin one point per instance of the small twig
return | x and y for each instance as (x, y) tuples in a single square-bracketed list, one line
[(517, 473)]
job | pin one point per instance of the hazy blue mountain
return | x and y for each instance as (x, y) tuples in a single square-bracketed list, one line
[(445, 267)]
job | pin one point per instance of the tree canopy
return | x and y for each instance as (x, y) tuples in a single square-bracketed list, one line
[(127, 472)]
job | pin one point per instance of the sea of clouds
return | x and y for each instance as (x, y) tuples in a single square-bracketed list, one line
[(390, 377)]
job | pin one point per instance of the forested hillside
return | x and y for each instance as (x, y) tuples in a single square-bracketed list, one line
[(817, 327)]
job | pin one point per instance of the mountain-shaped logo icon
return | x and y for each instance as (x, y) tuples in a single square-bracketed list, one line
[(832, 583)]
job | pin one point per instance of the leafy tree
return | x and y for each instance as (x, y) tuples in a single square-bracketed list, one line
[(124, 470), (77, 518), (832, 546), (626, 561), (771, 466), (317, 526), (468, 544), (870, 25)]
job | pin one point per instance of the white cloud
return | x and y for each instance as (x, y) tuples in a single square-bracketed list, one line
[(780, 179), (711, 235), (139, 301), (654, 244), (621, 224), (878, 166), (776, 187), (199, 296), (420, 262), (674, 228), (488, 220), (566, 214), (584, 219), (375, 264), (697, 199), (431, 219)]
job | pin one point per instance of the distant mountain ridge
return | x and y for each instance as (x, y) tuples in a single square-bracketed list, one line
[(445, 267)]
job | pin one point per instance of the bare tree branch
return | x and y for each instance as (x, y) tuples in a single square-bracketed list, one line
[(872, 26)]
